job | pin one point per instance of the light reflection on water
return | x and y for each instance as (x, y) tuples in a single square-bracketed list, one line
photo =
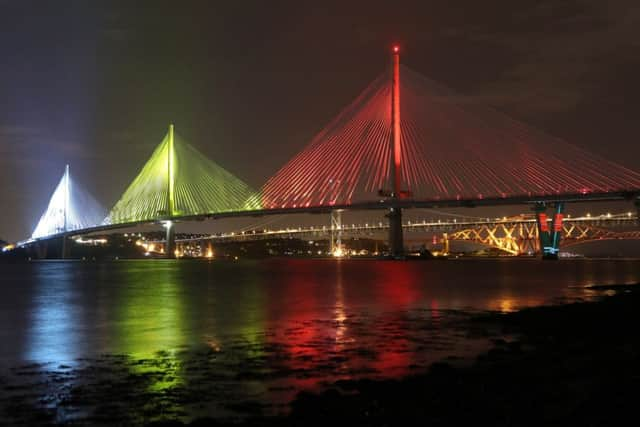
[(151, 319), (55, 333), (216, 333)]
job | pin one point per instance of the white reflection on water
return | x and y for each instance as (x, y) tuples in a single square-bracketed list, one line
[(54, 334)]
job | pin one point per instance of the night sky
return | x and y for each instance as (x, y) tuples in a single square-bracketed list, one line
[(95, 84)]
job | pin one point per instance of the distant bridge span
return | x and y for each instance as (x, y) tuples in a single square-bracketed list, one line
[(515, 235)]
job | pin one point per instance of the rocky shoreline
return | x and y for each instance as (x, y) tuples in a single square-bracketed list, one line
[(572, 364)]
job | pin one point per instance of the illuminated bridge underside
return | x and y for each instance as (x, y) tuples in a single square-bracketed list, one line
[(178, 181), (452, 149)]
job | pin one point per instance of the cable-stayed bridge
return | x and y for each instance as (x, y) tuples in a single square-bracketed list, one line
[(404, 142)]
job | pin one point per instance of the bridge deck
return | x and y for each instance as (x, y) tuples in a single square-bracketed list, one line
[(371, 205)]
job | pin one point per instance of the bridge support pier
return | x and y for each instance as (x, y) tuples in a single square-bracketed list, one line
[(65, 250), (549, 236), (170, 246), (206, 248), (445, 243), (336, 233), (556, 228), (396, 243), (39, 250)]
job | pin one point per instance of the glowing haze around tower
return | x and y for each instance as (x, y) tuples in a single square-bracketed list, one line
[(70, 208)]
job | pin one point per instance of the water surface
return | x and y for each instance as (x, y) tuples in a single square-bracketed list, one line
[(192, 338)]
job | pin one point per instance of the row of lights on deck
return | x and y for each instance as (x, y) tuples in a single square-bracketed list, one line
[(337, 253)]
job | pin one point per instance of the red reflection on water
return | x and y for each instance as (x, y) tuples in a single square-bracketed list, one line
[(435, 313), (394, 357), (330, 334), (398, 284), (302, 337)]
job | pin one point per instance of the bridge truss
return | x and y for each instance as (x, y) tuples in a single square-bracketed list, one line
[(513, 235), (522, 238)]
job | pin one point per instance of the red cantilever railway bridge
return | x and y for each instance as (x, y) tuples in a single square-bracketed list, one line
[(515, 235), (405, 142)]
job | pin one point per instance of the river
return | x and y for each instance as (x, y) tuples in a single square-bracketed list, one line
[(186, 339)]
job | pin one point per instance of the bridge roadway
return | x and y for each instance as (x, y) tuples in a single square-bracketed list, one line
[(385, 204)]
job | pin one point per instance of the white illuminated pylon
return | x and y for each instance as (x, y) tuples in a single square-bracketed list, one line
[(69, 209)]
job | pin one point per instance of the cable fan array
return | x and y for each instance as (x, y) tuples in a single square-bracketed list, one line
[(348, 156), (199, 187), (452, 148), (70, 208)]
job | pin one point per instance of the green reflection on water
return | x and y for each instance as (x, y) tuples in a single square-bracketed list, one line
[(151, 322), (169, 308), (252, 329)]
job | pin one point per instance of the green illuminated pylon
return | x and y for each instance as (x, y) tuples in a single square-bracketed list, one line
[(178, 180), (171, 182)]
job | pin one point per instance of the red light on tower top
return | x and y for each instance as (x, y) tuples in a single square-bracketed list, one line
[(396, 48)]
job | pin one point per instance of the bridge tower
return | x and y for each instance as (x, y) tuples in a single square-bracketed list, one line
[(64, 251), (396, 244), (445, 243), (169, 225), (336, 233)]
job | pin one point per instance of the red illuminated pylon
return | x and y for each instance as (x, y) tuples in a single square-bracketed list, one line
[(395, 122)]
